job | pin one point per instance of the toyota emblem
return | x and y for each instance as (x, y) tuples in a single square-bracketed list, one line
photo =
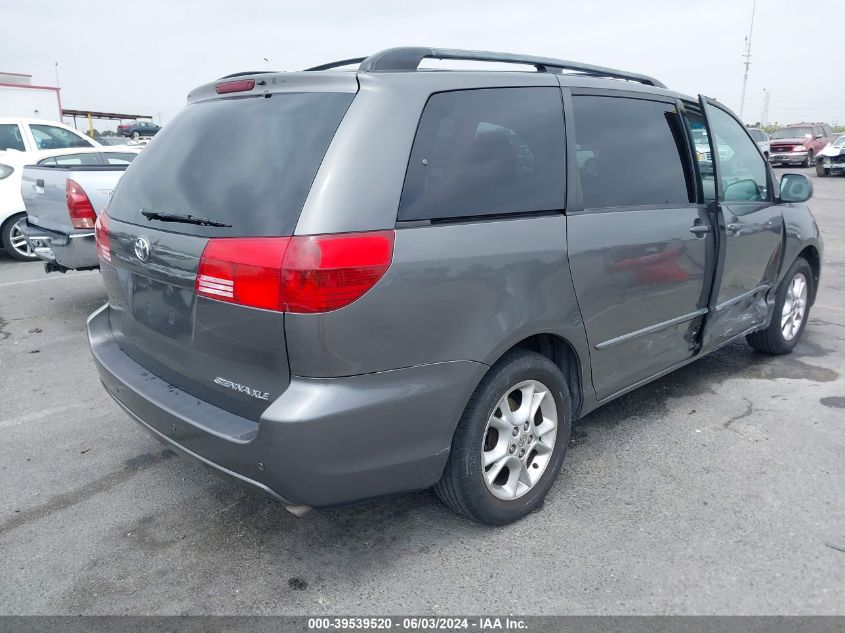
[(142, 248)]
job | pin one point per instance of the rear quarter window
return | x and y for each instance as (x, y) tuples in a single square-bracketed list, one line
[(486, 152), (637, 152), (247, 162)]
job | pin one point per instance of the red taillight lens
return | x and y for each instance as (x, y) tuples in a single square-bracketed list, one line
[(247, 271), (327, 272), (241, 85), (311, 273), (82, 215), (101, 235)]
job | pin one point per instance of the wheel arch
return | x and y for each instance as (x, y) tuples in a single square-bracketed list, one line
[(563, 354), (811, 254)]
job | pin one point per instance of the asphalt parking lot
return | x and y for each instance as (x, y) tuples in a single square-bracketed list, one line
[(717, 489)]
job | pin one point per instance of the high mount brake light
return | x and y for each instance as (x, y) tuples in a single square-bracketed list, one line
[(241, 85), (82, 215), (305, 274)]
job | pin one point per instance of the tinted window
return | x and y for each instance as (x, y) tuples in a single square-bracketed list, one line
[(742, 169), (758, 135), (247, 162), (52, 137), (636, 152), (483, 152), (10, 137), (70, 159)]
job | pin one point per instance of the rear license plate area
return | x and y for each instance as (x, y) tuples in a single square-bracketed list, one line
[(162, 307)]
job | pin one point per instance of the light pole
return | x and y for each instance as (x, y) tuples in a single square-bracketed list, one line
[(747, 56)]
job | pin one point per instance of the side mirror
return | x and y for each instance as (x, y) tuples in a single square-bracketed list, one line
[(742, 190), (795, 188)]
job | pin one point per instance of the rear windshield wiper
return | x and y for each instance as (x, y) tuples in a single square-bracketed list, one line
[(184, 218)]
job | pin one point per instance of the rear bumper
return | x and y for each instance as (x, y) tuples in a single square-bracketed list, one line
[(322, 443), (74, 251)]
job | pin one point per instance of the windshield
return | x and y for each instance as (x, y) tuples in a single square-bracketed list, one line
[(840, 142), (794, 132), (246, 163)]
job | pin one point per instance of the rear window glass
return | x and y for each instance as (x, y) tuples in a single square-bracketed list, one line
[(485, 152), (119, 158), (246, 162), (70, 160)]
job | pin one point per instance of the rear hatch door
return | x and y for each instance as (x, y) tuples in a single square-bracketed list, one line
[(237, 167)]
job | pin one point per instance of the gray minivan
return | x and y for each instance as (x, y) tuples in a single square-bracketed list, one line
[(336, 285)]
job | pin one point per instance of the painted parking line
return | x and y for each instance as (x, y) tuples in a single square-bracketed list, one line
[(6, 284), (39, 415)]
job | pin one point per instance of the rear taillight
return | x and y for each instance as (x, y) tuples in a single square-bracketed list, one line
[(101, 235), (326, 272), (307, 274), (247, 271), (82, 215)]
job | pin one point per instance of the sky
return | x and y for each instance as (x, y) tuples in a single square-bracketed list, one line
[(145, 57)]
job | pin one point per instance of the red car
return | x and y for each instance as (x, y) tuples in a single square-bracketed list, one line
[(799, 144)]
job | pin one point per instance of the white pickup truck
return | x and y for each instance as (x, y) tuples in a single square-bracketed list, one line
[(63, 196), (25, 142)]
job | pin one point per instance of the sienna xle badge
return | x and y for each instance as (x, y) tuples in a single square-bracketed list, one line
[(334, 285)]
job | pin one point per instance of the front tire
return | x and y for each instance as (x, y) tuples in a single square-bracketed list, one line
[(809, 160), (13, 240), (821, 172), (510, 443), (791, 312)]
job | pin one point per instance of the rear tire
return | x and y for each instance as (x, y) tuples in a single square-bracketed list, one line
[(468, 487), (13, 241), (784, 331), (136, 135)]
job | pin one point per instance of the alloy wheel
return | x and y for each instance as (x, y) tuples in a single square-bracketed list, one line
[(519, 440), (794, 307), (18, 242)]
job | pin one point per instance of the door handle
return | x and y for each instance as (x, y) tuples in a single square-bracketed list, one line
[(699, 230), (734, 227)]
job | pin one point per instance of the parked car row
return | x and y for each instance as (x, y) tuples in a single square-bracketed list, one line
[(46, 144)]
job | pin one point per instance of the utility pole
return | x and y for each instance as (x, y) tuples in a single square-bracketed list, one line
[(747, 56), (764, 117)]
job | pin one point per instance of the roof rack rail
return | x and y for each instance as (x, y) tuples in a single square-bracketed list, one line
[(408, 58), (337, 64)]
